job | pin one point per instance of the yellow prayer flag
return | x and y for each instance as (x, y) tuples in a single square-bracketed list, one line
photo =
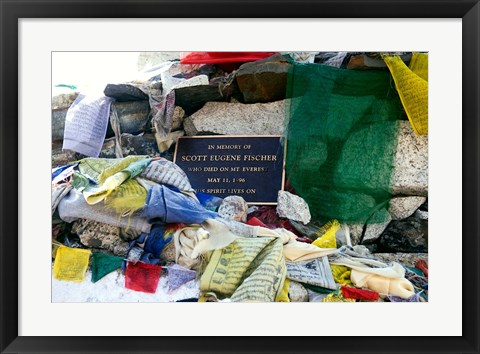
[(71, 264), (341, 274), (283, 294), (419, 65), (328, 238), (412, 89)]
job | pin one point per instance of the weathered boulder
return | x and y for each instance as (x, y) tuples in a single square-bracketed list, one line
[(63, 101), (408, 259), (133, 116), (356, 233), (233, 207), (408, 235), (60, 157), (263, 80), (142, 144), (237, 118), (403, 207), (310, 230), (124, 93), (372, 61), (410, 175), (373, 231), (192, 98), (94, 234), (297, 292), (292, 207), (178, 115)]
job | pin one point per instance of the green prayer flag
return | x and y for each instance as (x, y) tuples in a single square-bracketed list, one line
[(341, 140), (102, 264)]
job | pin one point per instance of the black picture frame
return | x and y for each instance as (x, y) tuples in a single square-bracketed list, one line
[(12, 11)]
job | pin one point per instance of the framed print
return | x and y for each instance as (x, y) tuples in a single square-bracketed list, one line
[(51, 302)]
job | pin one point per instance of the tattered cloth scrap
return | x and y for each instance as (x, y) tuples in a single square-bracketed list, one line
[(327, 235), (99, 169), (58, 193), (164, 205), (71, 264), (283, 294), (249, 269), (178, 275), (86, 124), (192, 241), (336, 298), (400, 287), (142, 277), (103, 264), (296, 251), (293, 250), (412, 87), (149, 246), (359, 294), (73, 206), (55, 246), (115, 184), (423, 266), (412, 298), (341, 274), (166, 172), (315, 272), (374, 275), (62, 173)]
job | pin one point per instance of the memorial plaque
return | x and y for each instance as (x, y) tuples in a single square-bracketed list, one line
[(249, 166)]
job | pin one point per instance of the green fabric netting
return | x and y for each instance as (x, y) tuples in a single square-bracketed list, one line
[(102, 264), (342, 136)]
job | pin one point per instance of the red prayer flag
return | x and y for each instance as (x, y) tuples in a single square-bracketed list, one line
[(142, 277), (423, 266), (359, 294), (253, 221)]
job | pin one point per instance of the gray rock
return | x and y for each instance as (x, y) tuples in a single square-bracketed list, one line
[(124, 92), (421, 214), (292, 207), (143, 144), (168, 253), (408, 259), (356, 233), (403, 207), (237, 118), (310, 230), (362, 250), (373, 231), (263, 80), (233, 207), (297, 292), (94, 234), (178, 115), (342, 236), (133, 116), (409, 235), (193, 98), (410, 175), (63, 101), (60, 157), (129, 234)]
